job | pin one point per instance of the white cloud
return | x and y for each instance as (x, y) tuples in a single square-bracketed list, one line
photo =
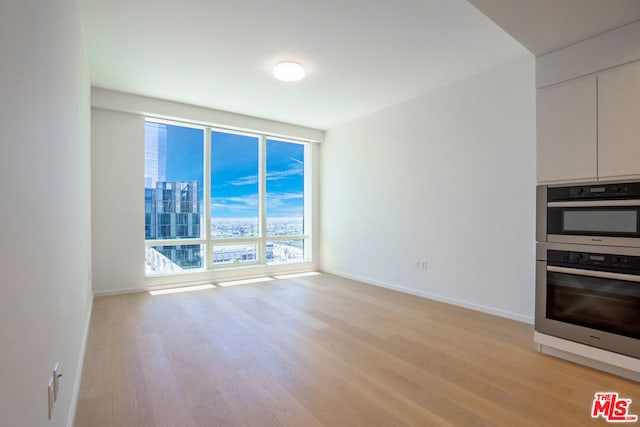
[(245, 180), (285, 196), (300, 162), (296, 169), (235, 202)]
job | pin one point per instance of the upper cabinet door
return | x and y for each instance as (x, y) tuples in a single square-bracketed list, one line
[(567, 132), (619, 122)]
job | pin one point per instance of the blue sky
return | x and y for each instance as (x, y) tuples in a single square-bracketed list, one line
[(234, 172)]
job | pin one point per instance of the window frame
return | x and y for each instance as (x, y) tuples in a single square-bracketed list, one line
[(206, 240)]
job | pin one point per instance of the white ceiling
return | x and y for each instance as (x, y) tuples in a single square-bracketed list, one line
[(361, 55), (546, 25)]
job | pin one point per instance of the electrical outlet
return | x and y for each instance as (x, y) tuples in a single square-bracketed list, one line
[(50, 396), (423, 265), (416, 264)]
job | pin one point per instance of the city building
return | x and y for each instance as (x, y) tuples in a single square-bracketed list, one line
[(172, 212), (155, 154)]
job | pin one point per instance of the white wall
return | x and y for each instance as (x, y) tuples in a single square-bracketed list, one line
[(45, 290), (160, 108), (117, 174), (448, 177), (117, 200)]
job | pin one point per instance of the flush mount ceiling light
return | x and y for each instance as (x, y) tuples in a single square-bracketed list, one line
[(289, 71)]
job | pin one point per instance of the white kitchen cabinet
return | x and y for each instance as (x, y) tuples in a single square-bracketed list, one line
[(567, 131), (619, 122)]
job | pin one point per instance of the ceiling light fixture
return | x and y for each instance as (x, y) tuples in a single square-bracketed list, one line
[(289, 71)]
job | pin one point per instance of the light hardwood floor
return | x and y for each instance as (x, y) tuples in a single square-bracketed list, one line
[(322, 350)]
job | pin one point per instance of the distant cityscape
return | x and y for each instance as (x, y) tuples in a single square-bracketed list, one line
[(248, 227), (172, 212)]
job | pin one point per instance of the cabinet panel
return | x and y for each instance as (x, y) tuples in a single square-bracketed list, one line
[(567, 131), (619, 122)]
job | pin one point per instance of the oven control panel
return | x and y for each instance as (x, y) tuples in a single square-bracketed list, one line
[(594, 261), (625, 190)]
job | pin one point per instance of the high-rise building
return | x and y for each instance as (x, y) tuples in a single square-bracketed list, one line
[(155, 154), (172, 211)]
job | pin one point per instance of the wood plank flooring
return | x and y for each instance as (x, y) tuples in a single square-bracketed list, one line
[(323, 351)]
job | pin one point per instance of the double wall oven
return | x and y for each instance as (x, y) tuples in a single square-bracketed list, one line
[(588, 265)]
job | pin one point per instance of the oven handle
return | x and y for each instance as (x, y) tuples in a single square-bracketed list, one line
[(594, 203), (593, 273)]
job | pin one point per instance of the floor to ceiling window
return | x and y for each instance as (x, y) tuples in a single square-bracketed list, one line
[(217, 198)]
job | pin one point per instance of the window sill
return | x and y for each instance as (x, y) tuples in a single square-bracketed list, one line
[(227, 273)]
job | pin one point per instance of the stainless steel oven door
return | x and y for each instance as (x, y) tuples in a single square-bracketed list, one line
[(597, 308)]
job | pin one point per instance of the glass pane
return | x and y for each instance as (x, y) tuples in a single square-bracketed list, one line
[(285, 188), (235, 254), (234, 185), (173, 181), (605, 221), (173, 259), (283, 251)]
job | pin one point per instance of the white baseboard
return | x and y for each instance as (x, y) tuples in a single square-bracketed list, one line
[(76, 386), (435, 297), (596, 358)]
